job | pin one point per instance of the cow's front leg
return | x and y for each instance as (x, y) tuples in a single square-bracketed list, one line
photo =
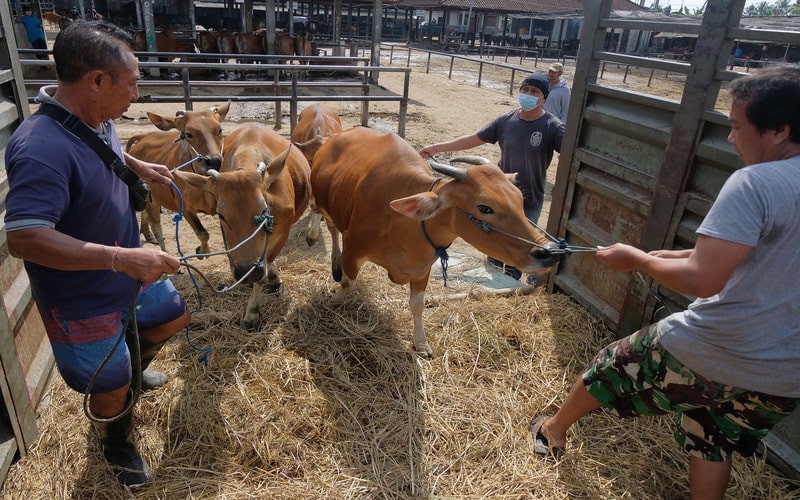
[(273, 279), (252, 314), (345, 285), (416, 302)]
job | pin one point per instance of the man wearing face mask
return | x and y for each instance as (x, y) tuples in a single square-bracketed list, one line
[(527, 137)]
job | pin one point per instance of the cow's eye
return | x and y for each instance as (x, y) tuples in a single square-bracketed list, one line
[(188, 135), (219, 132), (486, 210)]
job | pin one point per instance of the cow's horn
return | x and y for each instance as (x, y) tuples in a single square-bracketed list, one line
[(472, 160), (449, 170), (180, 112), (212, 173), (262, 167)]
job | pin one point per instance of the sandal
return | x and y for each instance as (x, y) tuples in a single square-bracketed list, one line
[(540, 444)]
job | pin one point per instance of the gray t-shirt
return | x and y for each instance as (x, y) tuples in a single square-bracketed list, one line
[(748, 335), (526, 148)]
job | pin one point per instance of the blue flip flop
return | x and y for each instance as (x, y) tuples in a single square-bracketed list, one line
[(540, 444)]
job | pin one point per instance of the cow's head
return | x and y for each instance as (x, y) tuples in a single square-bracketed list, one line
[(200, 133), (487, 212), (311, 146), (243, 205)]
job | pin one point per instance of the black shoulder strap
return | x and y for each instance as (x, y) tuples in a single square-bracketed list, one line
[(82, 131)]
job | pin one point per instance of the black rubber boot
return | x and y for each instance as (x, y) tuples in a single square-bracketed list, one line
[(128, 466), (151, 378)]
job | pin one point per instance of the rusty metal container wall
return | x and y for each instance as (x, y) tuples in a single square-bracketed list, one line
[(26, 360), (638, 168), (616, 165)]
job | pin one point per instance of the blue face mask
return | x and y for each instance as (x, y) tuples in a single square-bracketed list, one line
[(528, 102)]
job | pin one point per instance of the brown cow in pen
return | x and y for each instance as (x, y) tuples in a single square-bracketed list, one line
[(378, 193), (53, 20), (303, 47), (262, 176), (165, 42), (188, 135), (315, 124)]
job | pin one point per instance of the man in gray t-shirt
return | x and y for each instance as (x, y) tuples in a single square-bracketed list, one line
[(727, 366)]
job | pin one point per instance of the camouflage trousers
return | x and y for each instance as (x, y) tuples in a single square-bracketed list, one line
[(637, 376)]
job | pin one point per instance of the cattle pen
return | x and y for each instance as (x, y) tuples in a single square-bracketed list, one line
[(327, 402)]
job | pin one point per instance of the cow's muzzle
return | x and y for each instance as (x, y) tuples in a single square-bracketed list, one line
[(214, 162), (546, 256), (256, 272)]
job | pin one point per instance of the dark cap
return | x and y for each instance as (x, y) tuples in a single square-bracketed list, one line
[(539, 81)]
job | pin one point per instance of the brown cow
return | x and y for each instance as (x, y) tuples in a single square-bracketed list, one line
[(52, 19), (378, 192), (196, 133), (261, 176), (207, 42), (250, 43), (315, 124), (303, 47), (284, 45), (165, 42)]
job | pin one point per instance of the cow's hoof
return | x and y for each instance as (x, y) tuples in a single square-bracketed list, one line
[(337, 274), (273, 287), (424, 351), (250, 324), (310, 241)]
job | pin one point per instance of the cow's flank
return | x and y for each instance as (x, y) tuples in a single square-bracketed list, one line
[(316, 123)]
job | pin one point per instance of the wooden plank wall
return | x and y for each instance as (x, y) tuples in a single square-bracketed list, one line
[(26, 361)]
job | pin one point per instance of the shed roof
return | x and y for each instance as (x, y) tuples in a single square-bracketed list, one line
[(536, 8)]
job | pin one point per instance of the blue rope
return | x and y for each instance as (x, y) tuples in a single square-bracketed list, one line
[(203, 358)]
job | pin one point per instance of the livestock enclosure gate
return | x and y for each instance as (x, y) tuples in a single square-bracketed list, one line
[(644, 170)]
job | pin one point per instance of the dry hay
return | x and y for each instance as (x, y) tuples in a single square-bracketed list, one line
[(328, 402)]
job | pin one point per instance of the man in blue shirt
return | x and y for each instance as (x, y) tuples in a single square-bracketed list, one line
[(33, 27)]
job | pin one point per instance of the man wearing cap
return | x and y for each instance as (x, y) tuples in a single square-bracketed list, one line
[(557, 102), (527, 137)]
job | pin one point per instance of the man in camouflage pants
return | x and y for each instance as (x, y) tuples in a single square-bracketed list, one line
[(727, 366)]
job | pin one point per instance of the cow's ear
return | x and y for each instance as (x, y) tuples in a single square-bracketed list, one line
[(420, 206), (163, 123), (222, 111)]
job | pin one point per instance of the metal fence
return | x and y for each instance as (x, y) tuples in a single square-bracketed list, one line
[(191, 84)]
